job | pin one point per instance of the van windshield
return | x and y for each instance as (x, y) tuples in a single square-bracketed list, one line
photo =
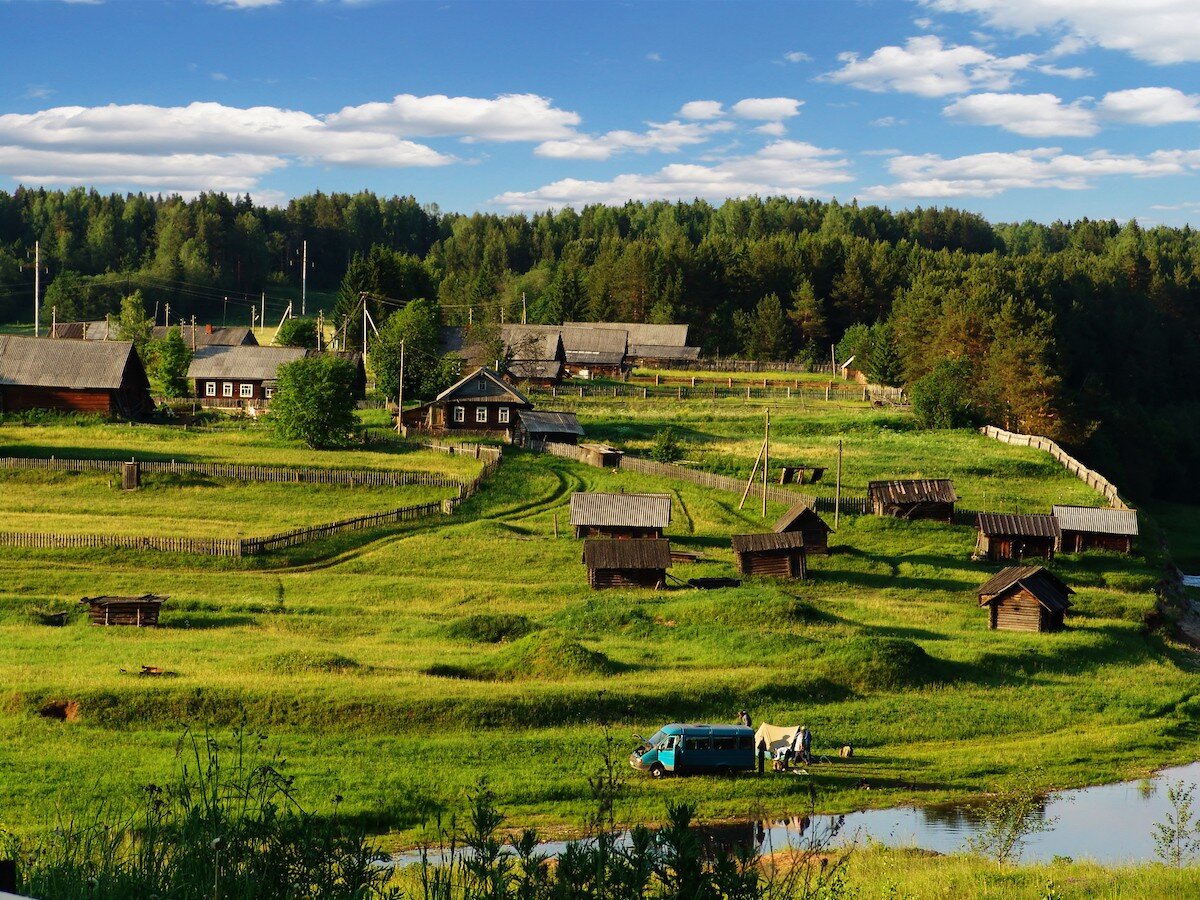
[(656, 738)]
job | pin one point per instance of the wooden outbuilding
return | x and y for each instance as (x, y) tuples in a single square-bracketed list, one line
[(1093, 528), (601, 456), (534, 353), (481, 402), (1025, 598), (916, 498), (620, 515), (538, 426), (803, 519), (197, 336), (640, 562), (780, 554), (106, 378), (140, 612), (1004, 536), (590, 351)]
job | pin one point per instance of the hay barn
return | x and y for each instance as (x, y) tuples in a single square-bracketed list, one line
[(918, 498), (73, 376), (1091, 528), (536, 426), (620, 515), (632, 563), (1003, 536), (779, 554), (140, 612), (1025, 598), (803, 519)]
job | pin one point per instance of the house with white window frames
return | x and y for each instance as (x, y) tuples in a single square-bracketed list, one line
[(480, 402), (242, 375)]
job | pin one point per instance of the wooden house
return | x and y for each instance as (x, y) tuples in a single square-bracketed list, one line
[(650, 345), (480, 402), (197, 336), (918, 498), (1003, 536), (780, 554), (641, 562), (590, 352), (244, 375), (803, 519), (1092, 528), (620, 515), (141, 612), (539, 426), (534, 353), (106, 378), (1025, 598)]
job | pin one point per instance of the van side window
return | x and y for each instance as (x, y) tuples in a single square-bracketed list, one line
[(669, 743), (746, 742), (725, 743), (696, 743)]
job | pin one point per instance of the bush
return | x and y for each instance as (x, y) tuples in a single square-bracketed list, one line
[(880, 664), (314, 401), (490, 628), (666, 447), (297, 333), (941, 399)]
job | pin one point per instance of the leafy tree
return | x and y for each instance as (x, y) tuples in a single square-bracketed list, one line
[(941, 399), (1177, 836), (172, 357), (297, 332), (666, 447), (1007, 820), (426, 371), (314, 401), (132, 324), (856, 343)]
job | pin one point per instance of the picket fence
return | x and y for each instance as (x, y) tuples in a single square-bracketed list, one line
[(1092, 479), (833, 391)]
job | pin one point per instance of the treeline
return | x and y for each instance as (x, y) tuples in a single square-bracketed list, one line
[(1084, 331)]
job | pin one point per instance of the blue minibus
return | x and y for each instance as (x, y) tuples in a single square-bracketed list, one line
[(679, 748)]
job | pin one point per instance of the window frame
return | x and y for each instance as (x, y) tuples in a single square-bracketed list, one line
[(210, 389), (460, 415), (481, 415), (227, 389), (503, 415), (246, 391)]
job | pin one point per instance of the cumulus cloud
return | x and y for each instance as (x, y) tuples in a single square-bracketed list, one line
[(926, 67), (1156, 31), (245, 4), (1073, 72), (791, 168), (509, 117), (770, 109), (1151, 106), (169, 173), (797, 56), (1031, 115), (888, 122), (701, 109), (664, 137), (775, 129)]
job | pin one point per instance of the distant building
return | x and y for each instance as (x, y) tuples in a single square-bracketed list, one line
[(536, 426), (918, 498), (650, 345), (73, 376), (803, 518), (241, 375), (534, 353), (632, 563), (1092, 528), (592, 352), (196, 336), (1025, 598), (779, 554), (1003, 536), (597, 514), (480, 402)]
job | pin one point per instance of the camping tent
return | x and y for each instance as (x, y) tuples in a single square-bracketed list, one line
[(778, 737)]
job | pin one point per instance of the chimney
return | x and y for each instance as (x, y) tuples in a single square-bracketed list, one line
[(208, 329)]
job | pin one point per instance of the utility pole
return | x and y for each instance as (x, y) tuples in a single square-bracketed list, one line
[(837, 496), (225, 312), (400, 398), (523, 310), (167, 317), (320, 328), (53, 321), (193, 334), (262, 316), (766, 460), (37, 288), (304, 280)]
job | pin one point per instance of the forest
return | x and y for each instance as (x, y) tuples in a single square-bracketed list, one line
[(1084, 331)]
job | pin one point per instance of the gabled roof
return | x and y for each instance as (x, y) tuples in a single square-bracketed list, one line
[(1039, 525), (664, 351), (1097, 521), (804, 515), (643, 333), (532, 342), (584, 344), (106, 601), (550, 422), (641, 553), (769, 540), (42, 362), (243, 362), (1049, 590), (220, 335), (494, 389), (621, 510), (913, 490)]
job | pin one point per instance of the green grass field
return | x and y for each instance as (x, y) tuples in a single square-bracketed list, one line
[(396, 668)]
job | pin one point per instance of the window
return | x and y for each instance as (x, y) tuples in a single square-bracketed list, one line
[(725, 743), (746, 742), (697, 743), (481, 415), (247, 390), (504, 415), (210, 389), (227, 389), (268, 392), (460, 414)]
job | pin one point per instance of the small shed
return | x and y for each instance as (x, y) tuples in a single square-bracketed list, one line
[(780, 554), (620, 515), (1003, 536), (1091, 528), (1025, 598), (637, 562), (141, 612), (803, 519), (538, 426), (601, 456), (916, 498)]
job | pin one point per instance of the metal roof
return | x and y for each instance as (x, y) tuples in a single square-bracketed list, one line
[(617, 510), (789, 518), (242, 363), (642, 332), (1039, 525), (1097, 520), (640, 553), (44, 362), (913, 490), (550, 422), (769, 540), (219, 335), (664, 351), (1049, 590)]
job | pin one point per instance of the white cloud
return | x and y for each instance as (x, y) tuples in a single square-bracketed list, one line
[(772, 109), (1151, 106), (797, 56), (990, 174), (888, 122), (509, 117), (1073, 72), (701, 109), (1068, 46), (924, 23), (218, 76), (665, 137), (791, 168), (654, 57), (1031, 115), (925, 67), (39, 91), (169, 173), (775, 129), (1156, 31), (245, 4)]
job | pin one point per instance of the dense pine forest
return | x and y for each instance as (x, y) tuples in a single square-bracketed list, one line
[(1084, 331)]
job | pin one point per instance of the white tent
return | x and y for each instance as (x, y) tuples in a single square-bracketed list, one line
[(778, 737)]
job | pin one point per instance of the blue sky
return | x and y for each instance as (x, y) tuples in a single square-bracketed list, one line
[(1017, 109)]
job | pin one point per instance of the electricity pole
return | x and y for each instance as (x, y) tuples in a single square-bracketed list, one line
[(304, 280), (400, 398), (37, 288)]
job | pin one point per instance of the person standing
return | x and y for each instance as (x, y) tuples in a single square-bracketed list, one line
[(806, 744), (744, 718), (796, 747)]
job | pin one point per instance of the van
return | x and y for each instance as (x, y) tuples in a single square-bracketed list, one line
[(680, 748)]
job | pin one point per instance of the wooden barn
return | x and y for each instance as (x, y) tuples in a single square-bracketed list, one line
[(803, 519), (536, 426), (480, 402), (1092, 528), (534, 352), (240, 375), (620, 515), (140, 612), (601, 456), (651, 345), (1025, 598), (1003, 536), (780, 554), (590, 351), (917, 498), (106, 378), (641, 562)]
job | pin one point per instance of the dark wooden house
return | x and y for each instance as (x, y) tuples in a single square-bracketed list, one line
[(538, 426), (601, 456), (197, 336), (1025, 598), (590, 351), (106, 378), (140, 612), (917, 498), (803, 519), (1093, 528), (1004, 536), (620, 515), (244, 375), (534, 353), (641, 562), (780, 554), (480, 402)]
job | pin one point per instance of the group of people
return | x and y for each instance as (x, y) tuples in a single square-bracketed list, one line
[(799, 751)]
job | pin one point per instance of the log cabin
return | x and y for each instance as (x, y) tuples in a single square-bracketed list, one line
[(481, 402), (778, 554), (917, 498), (140, 612), (640, 562), (241, 375), (1025, 598), (804, 520), (620, 515), (106, 378), (1092, 528), (1003, 536)]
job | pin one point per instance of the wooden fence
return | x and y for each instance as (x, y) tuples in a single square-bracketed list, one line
[(834, 390), (1094, 480)]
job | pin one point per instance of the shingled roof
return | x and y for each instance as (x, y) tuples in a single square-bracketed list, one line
[(1039, 525), (642, 332), (640, 553), (788, 519), (621, 510), (1049, 590), (241, 363), (1095, 520), (769, 540), (914, 490), (210, 335), (584, 344), (79, 365), (550, 422)]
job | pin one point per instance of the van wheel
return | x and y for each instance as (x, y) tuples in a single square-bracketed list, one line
[(657, 771)]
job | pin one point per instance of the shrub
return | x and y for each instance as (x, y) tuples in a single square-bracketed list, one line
[(880, 664), (490, 628), (941, 399), (299, 661), (666, 447), (314, 401), (297, 333)]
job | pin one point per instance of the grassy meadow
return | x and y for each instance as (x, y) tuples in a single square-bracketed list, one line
[(395, 668)]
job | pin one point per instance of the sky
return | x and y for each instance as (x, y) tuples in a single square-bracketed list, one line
[(1015, 109)]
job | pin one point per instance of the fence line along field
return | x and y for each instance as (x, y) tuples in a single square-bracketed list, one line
[(395, 667)]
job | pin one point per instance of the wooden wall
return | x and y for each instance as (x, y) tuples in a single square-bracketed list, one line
[(1000, 547), (1078, 541), (775, 563), (614, 578), (87, 400), (943, 512), (1020, 611), (616, 531)]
